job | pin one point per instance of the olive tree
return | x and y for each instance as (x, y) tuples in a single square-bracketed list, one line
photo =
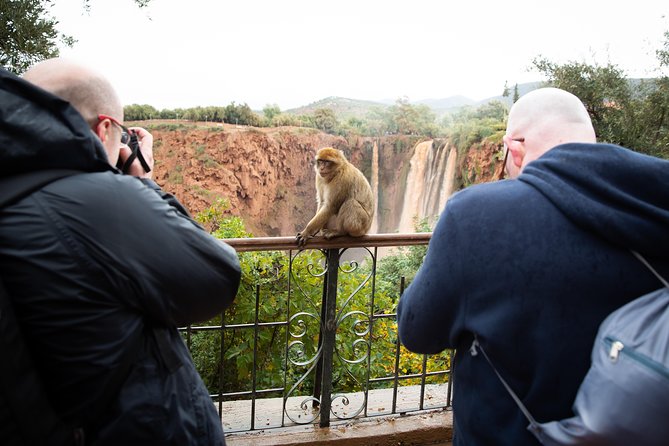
[(29, 34)]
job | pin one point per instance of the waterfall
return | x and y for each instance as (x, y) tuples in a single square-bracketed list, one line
[(415, 189), (434, 177), (429, 184), (447, 190), (375, 187)]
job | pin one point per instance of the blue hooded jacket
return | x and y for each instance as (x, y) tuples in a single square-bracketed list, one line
[(532, 266)]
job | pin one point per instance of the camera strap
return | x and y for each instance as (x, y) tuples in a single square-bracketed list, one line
[(136, 153)]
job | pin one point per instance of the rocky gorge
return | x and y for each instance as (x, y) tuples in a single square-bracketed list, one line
[(267, 176)]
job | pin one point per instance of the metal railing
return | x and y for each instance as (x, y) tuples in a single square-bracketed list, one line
[(306, 341)]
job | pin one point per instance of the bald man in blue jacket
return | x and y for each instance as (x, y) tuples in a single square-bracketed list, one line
[(532, 265)]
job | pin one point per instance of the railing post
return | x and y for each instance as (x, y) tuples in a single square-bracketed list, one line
[(319, 367), (328, 330)]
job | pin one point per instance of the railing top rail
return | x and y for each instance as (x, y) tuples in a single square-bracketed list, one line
[(290, 243)]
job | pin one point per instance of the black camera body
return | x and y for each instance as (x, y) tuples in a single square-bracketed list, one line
[(135, 153)]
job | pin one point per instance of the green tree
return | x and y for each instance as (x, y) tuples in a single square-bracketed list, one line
[(140, 3), (408, 119), (405, 117), (284, 119), (379, 122), (655, 111), (605, 92), (630, 113), (505, 92), (355, 126), (137, 112), (492, 110), (471, 125), (28, 33), (326, 120), (270, 111), (241, 114), (663, 53)]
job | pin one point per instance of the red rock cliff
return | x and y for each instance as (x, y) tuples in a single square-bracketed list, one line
[(268, 178)]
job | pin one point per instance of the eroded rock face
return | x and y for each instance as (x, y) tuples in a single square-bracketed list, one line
[(267, 174)]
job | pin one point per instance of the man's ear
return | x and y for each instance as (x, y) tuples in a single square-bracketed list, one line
[(102, 130), (517, 152)]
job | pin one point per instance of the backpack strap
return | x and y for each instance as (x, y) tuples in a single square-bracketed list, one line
[(535, 427), (650, 267), (473, 350)]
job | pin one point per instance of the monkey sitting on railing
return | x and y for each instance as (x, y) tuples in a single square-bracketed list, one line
[(345, 199)]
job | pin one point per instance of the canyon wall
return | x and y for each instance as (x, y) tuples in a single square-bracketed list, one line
[(267, 174)]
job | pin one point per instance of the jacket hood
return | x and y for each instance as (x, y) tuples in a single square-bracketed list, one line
[(619, 194), (39, 131)]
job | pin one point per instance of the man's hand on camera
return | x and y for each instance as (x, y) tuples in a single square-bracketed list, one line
[(146, 147)]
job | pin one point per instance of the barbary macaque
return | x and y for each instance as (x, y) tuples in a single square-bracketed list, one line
[(345, 200)]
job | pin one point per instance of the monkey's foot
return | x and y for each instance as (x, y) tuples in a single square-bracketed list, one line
[(330, 234)]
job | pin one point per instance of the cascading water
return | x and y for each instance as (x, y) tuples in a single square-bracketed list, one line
[(375, 187), (415, 187), (429, 184), (447, 189)]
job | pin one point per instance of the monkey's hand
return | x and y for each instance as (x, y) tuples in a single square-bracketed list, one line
[(302, 238)]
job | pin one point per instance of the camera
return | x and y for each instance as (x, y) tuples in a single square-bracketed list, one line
[(133, 143)]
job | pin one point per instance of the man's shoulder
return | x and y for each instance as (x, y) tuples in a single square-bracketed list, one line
[(99, 190), (98, 182), (498, 194)]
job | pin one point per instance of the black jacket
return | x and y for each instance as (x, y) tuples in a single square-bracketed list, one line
[(532, 266), (99, 265)]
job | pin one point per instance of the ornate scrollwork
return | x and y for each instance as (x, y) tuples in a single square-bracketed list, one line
[(296, 348), (303, 326), (357, 343), (345, 401), (312, 267), (309, 414), (356, 324), (352, 346)]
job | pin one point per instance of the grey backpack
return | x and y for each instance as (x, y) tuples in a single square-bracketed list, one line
[(624, 398)]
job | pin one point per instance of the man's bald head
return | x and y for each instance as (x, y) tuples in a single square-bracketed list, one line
[(545, 118), (88, 91)]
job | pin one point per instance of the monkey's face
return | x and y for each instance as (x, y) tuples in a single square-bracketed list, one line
[(325, 168)]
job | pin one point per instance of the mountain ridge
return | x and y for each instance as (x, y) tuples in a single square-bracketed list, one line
[(345, 108)]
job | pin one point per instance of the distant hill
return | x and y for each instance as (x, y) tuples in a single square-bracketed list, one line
[(446, 105), (345, 108), (522, 89)]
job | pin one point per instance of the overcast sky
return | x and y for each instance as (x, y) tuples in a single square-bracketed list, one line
[(184, 53)]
